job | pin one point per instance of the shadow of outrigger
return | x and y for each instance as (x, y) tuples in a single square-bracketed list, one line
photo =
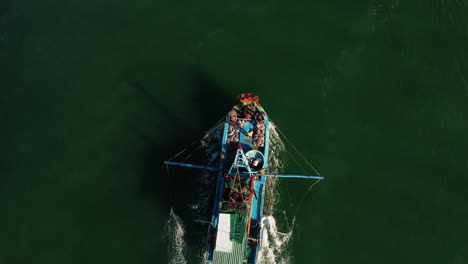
[(181, 189)]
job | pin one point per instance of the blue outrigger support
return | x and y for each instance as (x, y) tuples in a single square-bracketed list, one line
[(296, 176), (191, 166), (241, 164)]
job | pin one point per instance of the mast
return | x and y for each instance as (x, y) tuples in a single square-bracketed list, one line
[(240, 161)]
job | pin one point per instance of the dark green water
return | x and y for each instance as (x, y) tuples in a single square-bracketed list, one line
[(96, 94)]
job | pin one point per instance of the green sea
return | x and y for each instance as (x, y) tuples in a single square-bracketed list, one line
[(95, 95)]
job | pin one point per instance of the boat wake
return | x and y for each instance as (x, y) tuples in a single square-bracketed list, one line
[(208, 148), (274, 249), (276, 147), (275, 165), (274, 244), (175, 236)]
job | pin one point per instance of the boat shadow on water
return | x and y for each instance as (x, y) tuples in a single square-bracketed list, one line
[(187, 192)]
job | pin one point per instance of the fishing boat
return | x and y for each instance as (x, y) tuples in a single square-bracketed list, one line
[(235, 230)]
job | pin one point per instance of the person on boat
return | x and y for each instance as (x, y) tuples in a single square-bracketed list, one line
[(249, 109), (238, 107), (243, 98), (232, 112)]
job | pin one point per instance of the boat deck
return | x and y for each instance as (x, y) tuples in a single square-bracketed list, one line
[(229, 249), (245, 140), (236, 256)]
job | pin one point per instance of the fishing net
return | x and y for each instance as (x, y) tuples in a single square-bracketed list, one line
[(239, 219)]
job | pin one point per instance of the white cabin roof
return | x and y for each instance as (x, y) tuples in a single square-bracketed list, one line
[(223, 241)]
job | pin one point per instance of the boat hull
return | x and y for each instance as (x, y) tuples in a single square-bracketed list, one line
[(252, 143)]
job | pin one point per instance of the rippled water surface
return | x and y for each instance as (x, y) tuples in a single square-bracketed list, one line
[(96, 94)]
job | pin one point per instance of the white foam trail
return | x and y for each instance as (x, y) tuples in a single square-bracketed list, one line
[(275, 165), (175, 236), (274, 244), (276, 148)]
